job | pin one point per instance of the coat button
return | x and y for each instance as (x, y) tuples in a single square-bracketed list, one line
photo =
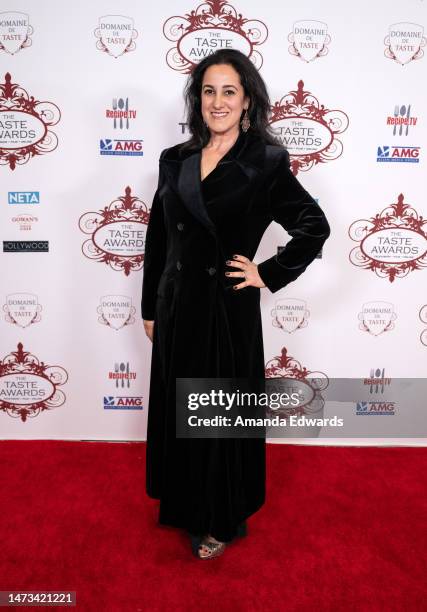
[(180, 226), (211, 271), (178, 265)]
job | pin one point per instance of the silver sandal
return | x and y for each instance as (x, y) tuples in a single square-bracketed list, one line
[(215, 549)]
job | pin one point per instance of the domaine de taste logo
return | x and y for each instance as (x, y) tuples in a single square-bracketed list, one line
[(377, 317), (116, 311), (24, 125), (117, 233), (15, 32), (404, 42), (29, 386), (393, 243), (423, 318), (22, 309), (309, 40), (290, 314), (116, 35), (213, 25), (308, 129)]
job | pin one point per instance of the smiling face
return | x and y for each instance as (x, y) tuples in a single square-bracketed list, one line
[(223, 99)]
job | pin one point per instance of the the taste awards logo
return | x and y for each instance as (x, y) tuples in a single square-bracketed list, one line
[(307, 384), (290, 314), (212, 25), (28, 386), (423, 318), (309, 40), (377, 317), (308, 129), (117, 233), (404, 42), (116, 35), (15, 32), (24, 125), (393, 243)]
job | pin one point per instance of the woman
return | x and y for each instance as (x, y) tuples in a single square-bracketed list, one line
[(217, 194)]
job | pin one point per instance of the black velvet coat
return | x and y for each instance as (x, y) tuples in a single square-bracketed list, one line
[(205, 328)]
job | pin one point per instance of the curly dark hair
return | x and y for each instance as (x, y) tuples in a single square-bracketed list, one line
[(253, 86)]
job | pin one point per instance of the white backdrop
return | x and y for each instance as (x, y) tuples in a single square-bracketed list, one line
[(75, 361)]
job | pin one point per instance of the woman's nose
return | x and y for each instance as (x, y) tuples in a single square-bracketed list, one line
[(218, 102)]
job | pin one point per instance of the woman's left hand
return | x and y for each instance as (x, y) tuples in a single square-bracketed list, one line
[(245, 269)]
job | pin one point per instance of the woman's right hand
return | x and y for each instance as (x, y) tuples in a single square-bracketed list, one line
[(149, 327)]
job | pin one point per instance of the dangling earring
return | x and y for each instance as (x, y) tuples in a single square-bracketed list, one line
[(245, 123)]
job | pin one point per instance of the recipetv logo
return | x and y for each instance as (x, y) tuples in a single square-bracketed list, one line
[(401, 120), (388, 153)]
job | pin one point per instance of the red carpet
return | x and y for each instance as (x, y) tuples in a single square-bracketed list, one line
[(342, 529)]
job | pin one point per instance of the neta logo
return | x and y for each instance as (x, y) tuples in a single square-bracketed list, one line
[(24, 197)]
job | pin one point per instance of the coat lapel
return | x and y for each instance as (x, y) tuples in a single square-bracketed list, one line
[(190, 190), (183, 172)]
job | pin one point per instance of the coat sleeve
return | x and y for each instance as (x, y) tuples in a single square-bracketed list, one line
[(299, 214), (155, 253)]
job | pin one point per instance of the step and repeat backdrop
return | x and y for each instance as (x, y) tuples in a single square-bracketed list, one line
[(91, 92)]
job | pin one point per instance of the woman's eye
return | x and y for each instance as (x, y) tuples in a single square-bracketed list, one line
[(228, 91)]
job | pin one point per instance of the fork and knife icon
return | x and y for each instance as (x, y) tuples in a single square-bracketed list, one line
[(122, 367), (379, 375), (401, 111), (121, 104)]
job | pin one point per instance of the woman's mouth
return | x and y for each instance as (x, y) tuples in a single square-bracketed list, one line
[(219, 115)]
